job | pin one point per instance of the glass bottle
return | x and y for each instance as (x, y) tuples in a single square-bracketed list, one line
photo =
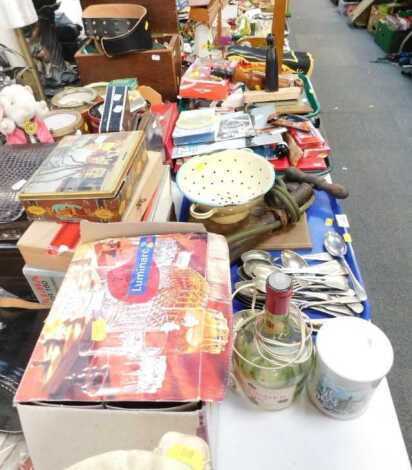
[(273, 351)]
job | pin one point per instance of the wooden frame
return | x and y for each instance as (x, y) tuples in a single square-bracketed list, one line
[(278, 29)]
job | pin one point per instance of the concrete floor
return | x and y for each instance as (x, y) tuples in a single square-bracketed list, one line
[(367, 118)]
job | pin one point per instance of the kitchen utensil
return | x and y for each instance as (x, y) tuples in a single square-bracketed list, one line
[(263, 271), (336, 246), (329, 267), (290, 259), (332, 282), (298, 176), (224, 186), (256, 254), (323, 256), (251, 265), (356, 307), (353, 356)]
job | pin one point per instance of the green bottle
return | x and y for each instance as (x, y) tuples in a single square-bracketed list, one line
[(273, 351)]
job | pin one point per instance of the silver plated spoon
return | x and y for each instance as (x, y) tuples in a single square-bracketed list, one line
[(336, 246)]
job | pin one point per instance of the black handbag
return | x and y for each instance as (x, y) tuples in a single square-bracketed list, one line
[(118, 29)]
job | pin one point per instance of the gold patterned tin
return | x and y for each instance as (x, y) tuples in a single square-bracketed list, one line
[(86, 177)]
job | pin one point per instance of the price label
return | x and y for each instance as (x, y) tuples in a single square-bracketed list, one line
[(342, 220), (193, 458), (347, 237), (99, 330), (328, 222)]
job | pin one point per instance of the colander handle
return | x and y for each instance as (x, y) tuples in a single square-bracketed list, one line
[(201, 215)]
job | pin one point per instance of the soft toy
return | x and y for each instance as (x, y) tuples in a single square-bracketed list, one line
[(20, 116)]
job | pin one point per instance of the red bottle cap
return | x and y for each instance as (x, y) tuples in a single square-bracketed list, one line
[(278, 293)]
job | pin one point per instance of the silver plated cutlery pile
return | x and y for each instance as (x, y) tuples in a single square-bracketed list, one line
[(326, 285)]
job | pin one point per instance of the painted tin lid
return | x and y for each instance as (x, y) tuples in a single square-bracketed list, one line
[(355, 349)]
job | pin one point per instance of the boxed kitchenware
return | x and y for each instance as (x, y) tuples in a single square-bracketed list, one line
[(137, 343), (86, 177), (159, 67)]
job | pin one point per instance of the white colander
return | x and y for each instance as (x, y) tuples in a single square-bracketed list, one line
[(227, 178)]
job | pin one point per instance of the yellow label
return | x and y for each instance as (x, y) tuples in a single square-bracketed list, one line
[(200, 166), (187, 455), (104, 214), (328, 222), (50, 327), (99, 330), (107, 146), (146, 25), (347, 237), (30, 127), (36, 210)]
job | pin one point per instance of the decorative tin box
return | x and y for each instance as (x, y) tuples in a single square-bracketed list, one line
[(88, 177)]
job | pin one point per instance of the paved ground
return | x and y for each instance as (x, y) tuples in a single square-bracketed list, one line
[(367, 117)]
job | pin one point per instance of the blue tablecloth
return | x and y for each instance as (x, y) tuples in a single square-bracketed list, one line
[(325, 207)]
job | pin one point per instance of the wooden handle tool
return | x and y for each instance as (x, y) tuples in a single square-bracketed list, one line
[(297, 176)]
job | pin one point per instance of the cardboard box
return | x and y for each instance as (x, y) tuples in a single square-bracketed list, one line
[(35, 243), (45, 284), (158, 68), (146, 187), (60, 436), (85, 406)]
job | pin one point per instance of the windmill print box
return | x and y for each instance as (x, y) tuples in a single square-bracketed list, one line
[(145, 318), (90, 177)]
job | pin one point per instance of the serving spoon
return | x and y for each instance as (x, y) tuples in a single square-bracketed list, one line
[(336, 246), (291, 259)]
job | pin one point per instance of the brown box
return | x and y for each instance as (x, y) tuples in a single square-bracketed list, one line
[(157, 68), (35, 242)]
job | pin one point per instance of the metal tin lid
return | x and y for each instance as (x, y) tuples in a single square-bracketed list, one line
[(355, 349)]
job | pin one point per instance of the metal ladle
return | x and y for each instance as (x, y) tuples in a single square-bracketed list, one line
[(336, 246)]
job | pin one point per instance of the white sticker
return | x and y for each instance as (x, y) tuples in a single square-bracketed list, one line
[(17, 186), (273, 398), (342, 220), (156, 57), (117, 97)]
